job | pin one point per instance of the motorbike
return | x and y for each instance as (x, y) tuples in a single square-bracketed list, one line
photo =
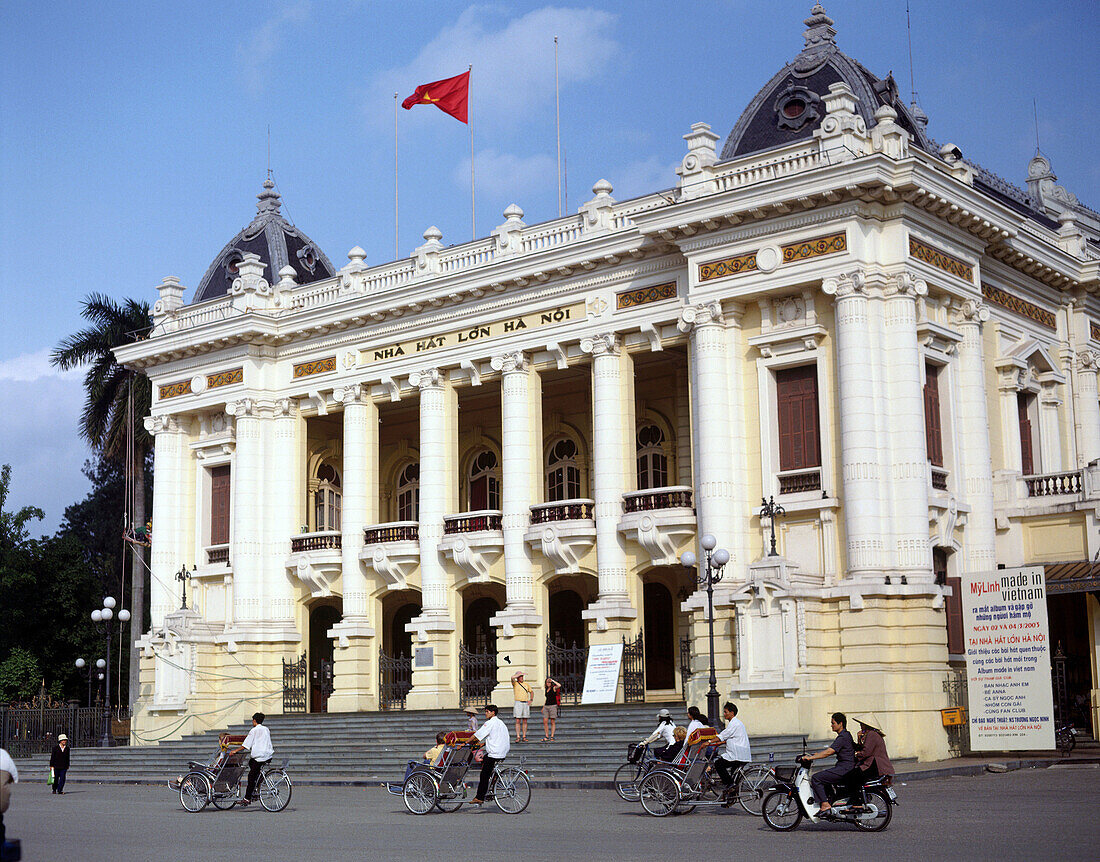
[(1066, 739), (868, 806)]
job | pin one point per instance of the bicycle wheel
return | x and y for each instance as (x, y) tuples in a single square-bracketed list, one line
[(450, 799), (419, 793), (226, 799), (275, 791), (756, 782), (881, 818), (626, 779), (660, 794), (511, 790), (781, 810), (194, 792)]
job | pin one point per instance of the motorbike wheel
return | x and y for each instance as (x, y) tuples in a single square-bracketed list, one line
[(781, 810), (885, 811), (660, 794), (626, 780), (755, 783), (1066, 741)]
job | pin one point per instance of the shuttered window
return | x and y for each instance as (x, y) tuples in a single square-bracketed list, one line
[(952, 604), (796, 394), (219, 505), (1027, 456), (932, 415)]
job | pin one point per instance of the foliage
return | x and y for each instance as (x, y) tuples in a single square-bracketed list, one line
[(19, 676), (13, 525)]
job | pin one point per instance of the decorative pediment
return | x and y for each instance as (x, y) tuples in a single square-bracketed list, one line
[(1027, 365)]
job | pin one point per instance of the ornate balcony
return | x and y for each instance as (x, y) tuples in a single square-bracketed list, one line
[(939, 478), (392, 550), (1054, 484), (660, 520), (217, 554), (474, 540), (799, 481), (563, 531), (315, 560)]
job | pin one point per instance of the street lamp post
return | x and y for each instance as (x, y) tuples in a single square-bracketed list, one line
[(103, 617), (771, 510), (709, 575), (183, 576), (100, 664)]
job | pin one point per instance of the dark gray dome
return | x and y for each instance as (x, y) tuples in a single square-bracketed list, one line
[(276, 241), (791, 105)]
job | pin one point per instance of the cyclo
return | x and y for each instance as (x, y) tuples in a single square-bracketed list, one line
[(682, 786), (443, 785), (222, 781)]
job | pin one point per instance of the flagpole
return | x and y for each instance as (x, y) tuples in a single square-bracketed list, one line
[(396, 253), (557, 119), (473, 210)]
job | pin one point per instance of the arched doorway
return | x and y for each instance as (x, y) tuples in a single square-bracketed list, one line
[(477, 634), (660, 637), (567, 629), (398, 642), (321, 619), (395, 657)]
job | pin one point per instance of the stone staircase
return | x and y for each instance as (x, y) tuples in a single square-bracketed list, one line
[(367, 748)]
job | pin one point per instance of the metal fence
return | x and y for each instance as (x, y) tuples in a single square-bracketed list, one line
[(634, 670), (294, 685), (395, 680), (477, 676), (28, 731), (567, 665)]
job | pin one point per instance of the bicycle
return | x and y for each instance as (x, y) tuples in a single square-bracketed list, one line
[(640, 760)]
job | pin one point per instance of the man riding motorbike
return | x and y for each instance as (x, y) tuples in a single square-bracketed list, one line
[(844, 748)]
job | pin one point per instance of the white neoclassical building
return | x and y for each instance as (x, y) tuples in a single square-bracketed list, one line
[(425, 474)]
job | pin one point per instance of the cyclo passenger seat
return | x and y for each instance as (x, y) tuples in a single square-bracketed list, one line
[(456, 765), (695, 749)]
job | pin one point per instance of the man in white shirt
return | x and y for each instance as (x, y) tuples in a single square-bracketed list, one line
[(736, 752), (494, 733), (9, 775), (260, 751)]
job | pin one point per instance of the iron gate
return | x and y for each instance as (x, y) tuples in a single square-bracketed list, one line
[(567, 665), (634, 670), (295, 678), (477, 676), (395, 678), (1059, 689), (25, 730), (958, 736), (685, 664)]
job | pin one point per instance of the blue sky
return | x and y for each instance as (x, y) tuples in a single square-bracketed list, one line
[(133, 138)]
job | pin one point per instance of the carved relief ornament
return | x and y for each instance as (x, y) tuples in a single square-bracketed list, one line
[(704, 314), (512, 361), (604, 344), (426, 378), (846, 285), (970, 311)]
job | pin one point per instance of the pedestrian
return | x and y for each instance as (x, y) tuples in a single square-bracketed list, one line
[(9, 775), (260, 751), (495, 736), (736, 752), (59, 763), (521, 711), (471, 718), (552, 690)]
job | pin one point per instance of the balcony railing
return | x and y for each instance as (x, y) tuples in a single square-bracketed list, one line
[(398, 531), (797, 481), (1054, 484), (326, 541), (563, 510), (473, 522), (217, 554), (939, 478), (673, 497)]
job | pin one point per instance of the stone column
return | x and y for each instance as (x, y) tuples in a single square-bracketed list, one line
[(434, 681), (906, 429), (859, 456), (975, 465), (613, 469), (282, 491), (521, 448), (354, 653), (169, 544), (246, 551), (1088, 408)]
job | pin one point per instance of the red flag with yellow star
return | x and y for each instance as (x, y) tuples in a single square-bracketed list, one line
[(451, 96)]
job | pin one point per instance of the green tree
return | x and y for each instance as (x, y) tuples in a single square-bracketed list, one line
[(19, 676), (13, 525), (116, 401)]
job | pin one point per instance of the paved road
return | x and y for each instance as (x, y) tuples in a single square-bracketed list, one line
[(1030, 814)]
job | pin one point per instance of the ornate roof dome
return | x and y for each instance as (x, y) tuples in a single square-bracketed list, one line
[(791, 105), (275, 240)]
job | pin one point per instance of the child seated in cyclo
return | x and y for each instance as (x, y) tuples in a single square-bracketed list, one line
[(432, 756), (217, 759)]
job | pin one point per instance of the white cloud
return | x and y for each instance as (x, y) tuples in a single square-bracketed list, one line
[(28, 367), (257, 52), (506, 174), (513, 60)]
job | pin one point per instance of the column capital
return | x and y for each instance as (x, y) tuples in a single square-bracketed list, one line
[(905, 285), (703, 314), (286, 408), (240, 408), (427, 378), (604, 344), (353, 393), (972, 312), (1088, 360), (511, 362), (162, 424), (848, 284)]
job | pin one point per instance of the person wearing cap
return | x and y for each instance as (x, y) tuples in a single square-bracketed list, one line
[(521, 711), (59, 763), (665, 731), (872, 761), (471, 718)]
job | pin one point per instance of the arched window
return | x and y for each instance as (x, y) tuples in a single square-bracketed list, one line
[(563, 476), (652, 461), (408, 493), (484, 478), (327, 499)]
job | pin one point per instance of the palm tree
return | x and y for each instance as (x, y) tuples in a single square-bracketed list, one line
[(116, 401)]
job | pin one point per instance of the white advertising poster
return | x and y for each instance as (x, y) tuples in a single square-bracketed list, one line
[(601, 676), (1008, 660)]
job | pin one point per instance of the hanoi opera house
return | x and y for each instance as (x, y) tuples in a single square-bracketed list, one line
[(500, 448)]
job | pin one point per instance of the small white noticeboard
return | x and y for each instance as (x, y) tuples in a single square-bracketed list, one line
[(601, 676)]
